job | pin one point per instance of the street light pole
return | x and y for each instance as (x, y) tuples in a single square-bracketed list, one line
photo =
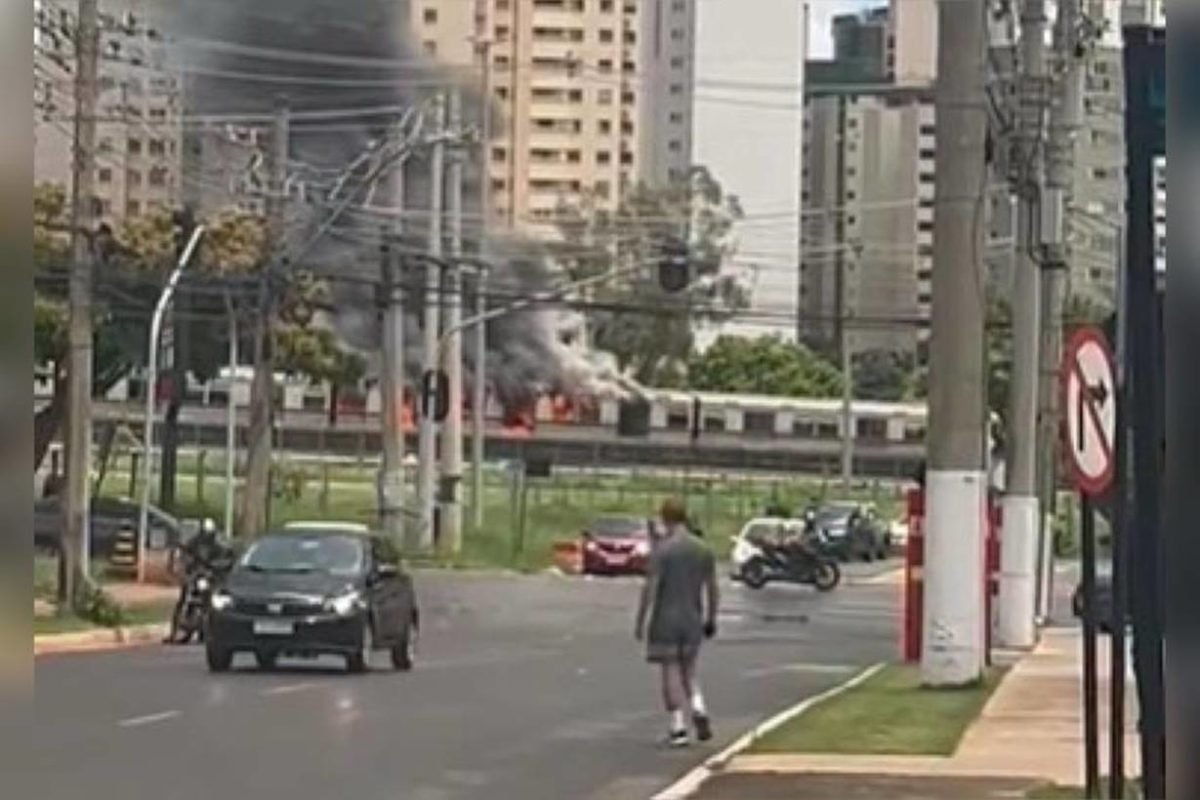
[(164, 300)]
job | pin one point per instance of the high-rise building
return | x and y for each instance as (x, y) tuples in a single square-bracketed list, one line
[(868, 217), (138, 128), (589, 98)]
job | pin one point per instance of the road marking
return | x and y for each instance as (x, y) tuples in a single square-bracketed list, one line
[(783, 669), (148, 719), (290, 688), (690, 783)]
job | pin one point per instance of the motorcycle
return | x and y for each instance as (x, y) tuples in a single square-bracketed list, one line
[(792, 562), (195, 598)]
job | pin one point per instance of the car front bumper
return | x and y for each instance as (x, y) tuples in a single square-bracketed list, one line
[(599, 562), (317, 634)]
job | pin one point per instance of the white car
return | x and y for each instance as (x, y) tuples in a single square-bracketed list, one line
[(757, 530)]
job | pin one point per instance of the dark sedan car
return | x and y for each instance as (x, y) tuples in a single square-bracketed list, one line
[(616, 546), (854, 531), (312, 592)]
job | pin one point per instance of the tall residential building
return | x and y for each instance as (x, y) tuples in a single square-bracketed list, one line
[(868, 217), (138, 130), (589, 97), (749, 129)]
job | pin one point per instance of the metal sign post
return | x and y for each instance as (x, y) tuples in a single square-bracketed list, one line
[(1089, 403)]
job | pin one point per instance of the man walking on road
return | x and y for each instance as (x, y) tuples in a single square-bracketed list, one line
[(680, 597)]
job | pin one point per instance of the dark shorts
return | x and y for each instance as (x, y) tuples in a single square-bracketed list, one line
[(675, 650)]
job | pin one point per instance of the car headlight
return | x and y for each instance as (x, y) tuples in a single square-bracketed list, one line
[(344, 605), (202, 584), (221, 601), (641, 548)]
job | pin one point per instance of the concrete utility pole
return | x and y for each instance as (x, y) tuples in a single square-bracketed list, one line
[(76, 546), (256, 494), (846, 353), (1065, 117), (1018, 544), (952, 651), (427, 430), (231, 414), (450, 493), (479, 402), (391, 476)]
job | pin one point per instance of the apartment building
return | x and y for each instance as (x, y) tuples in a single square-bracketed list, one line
[(868, 188), (138, 130), (589, 97)]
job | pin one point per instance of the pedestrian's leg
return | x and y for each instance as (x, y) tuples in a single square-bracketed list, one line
[(676, 699), (691, 683)]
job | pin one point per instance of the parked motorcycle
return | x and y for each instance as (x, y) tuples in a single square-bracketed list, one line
[(800, 562)]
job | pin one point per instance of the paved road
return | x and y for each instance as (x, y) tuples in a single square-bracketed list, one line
[(526, 687)]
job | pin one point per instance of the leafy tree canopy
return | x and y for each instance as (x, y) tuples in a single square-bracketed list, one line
[(764, 365)]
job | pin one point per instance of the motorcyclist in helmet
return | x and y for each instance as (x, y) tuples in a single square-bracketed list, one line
[(202, 553)]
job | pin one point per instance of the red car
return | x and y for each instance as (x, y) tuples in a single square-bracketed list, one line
[(616, 546)]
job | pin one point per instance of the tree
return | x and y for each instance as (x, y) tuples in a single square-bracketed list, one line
[(647, 329), (764, 365), (884, 375)]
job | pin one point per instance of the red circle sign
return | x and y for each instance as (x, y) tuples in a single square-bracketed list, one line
[(1089, 410)]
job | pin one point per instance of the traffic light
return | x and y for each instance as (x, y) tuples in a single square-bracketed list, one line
[(674, 267), (435, 395)]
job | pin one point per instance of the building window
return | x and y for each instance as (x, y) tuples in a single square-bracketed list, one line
[(575, 96), (606, 35), (431, 16), (927, 153), (678, 34), (104, 175), (927, 177), (677, 117), (678, 62), (605, 126), (502, 93), (714, 424), (158, 114), (603, 157), (627, 97), (604, 97), (430, 48), (630, 37), (925, 226), (499, 155), (759, 422), (133, 178), (574, 156), (498, 184), (133, 208), (676, 89), (606, 6), (605, 65), (626, 157), (603, 189), (135, 147), (875, 429), (157, 147), (675, 145), (158, 176), (503, 32), (628, 67)]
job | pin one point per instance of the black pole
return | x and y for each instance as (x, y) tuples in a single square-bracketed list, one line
[(1119, 619), (1091, 728), (1144, 138)]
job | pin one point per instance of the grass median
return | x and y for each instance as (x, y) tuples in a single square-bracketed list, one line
[(150, 614), (888, 714)]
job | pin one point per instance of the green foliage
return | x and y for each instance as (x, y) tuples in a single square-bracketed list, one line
[(649, 330), (315, 352), (98, 607), (884, 375), (765, 365)]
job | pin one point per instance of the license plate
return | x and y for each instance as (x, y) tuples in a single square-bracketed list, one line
[(273, 627)]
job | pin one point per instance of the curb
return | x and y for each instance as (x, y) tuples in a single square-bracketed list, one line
[(99, 639), (686, 786)]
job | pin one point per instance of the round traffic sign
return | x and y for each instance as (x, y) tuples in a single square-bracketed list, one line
[(1089, 397)]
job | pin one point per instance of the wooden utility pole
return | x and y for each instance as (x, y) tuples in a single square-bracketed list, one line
[(256, 496), (952, 651), (75, 567)]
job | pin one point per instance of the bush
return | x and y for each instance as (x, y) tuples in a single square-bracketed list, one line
[(98, 607)]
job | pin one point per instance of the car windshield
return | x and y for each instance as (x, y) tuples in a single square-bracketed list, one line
[(835, 514), (618, 528), (302, 553)]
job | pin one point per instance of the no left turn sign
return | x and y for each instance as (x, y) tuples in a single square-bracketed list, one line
[(1089, 410)]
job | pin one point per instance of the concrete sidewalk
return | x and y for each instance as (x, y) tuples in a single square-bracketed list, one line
[(1029, 734)]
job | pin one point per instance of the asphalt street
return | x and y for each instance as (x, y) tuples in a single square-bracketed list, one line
[(525, 687)]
